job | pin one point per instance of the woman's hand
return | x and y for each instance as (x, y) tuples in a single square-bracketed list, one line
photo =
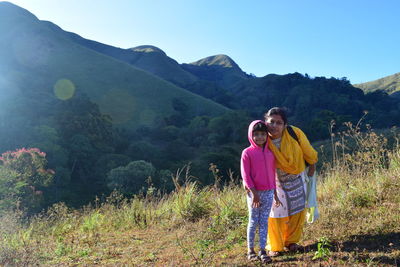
[(277, 200), (311, 170)]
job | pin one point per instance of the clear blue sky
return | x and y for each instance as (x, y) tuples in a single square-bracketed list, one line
[(358, 39)]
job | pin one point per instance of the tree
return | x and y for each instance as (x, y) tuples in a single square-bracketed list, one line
[(131, 178), (24, 177)]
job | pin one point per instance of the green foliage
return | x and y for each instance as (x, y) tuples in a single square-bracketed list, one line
[(190, 203), (142, 150), (9, 189), (212, 91), (80, 116), (323, 252), (130, 178), (313, 102), (230, 127), (164, 180), (106, 163), (23, 179), (92, 222)]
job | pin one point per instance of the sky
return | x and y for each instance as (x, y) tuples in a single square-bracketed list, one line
[(357, 39)]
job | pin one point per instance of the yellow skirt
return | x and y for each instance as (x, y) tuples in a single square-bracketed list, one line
[(284, 231)]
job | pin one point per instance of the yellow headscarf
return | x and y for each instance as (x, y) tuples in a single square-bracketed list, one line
[(290, 157)]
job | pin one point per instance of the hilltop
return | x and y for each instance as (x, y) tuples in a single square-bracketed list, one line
[(389, 84), (220, 69)]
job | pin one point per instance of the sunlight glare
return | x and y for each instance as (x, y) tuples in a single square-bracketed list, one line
[(64, 89)]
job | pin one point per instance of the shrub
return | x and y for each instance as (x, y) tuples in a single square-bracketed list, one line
[(131, 178), (23, 179), (190, 203)]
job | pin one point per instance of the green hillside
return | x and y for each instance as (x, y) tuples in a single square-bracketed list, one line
[(152, 59), (36, 57), (146, 57), (390, 84), (91, 113)]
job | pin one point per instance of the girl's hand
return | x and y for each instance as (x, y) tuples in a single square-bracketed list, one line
[(256, 200)]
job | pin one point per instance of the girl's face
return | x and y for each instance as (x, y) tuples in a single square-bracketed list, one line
[(275, 126), (260, 137)]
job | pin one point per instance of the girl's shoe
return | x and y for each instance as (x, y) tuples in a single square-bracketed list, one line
[(264, 257), (252, 256)]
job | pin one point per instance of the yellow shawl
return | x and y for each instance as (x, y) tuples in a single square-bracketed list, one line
[(290, 157)]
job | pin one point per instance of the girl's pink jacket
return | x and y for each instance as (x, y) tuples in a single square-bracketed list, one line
[(257, 164)]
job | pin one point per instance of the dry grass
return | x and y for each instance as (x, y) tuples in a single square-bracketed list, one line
[(358, 200)]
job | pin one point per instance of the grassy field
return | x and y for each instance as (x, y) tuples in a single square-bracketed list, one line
[(359, 224)]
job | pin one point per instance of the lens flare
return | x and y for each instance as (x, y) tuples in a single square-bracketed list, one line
[(64, 89)]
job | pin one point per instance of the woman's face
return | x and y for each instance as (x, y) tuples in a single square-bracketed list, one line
[(275, 126)]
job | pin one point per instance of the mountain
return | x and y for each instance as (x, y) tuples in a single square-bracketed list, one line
[(210, 77), (220, 69), (390, 84), (35, 57), (146, 57)]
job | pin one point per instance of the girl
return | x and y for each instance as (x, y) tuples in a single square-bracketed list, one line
[(291, 149), (258, 173)]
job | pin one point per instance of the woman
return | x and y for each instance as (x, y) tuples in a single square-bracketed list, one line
[(292, 150)]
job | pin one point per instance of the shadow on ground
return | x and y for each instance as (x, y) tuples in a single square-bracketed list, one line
[(359, 246)]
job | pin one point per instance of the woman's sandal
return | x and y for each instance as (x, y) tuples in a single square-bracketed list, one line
[(294, 247), (264, 257), (274, 253), (252, 256)]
